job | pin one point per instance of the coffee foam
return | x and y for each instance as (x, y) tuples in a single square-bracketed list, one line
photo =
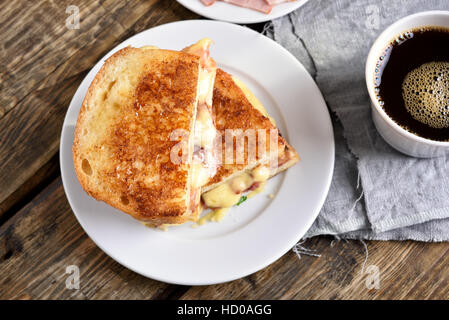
[(425, 91)]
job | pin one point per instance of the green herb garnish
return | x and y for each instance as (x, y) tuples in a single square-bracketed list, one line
[(242, 199)]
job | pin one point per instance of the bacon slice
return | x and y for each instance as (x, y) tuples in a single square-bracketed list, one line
[(201, 49), (208, 2), (264, 6), (275, 2), (259, 5)]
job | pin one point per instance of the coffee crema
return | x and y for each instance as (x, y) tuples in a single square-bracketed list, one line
[(412, 82)]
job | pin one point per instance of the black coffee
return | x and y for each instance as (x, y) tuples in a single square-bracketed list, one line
[(412, 82)]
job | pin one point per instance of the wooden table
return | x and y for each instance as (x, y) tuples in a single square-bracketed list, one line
[(42, 64)]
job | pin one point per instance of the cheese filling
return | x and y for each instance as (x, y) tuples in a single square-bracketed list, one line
[(204, 164), (229, 194), (205, 132)]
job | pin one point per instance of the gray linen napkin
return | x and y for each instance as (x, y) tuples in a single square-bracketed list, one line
[(376, 192)]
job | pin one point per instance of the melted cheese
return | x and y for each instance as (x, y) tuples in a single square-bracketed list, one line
[(213, 216), (221, 197), (206, 86), (200, 175), (241, 182), (261, 173), (228, 194), (205, 131), (204, 136)]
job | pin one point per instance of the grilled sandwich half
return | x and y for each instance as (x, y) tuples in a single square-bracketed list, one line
[(139, 130), (235, 107)]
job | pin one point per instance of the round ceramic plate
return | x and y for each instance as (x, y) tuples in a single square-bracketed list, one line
[(263, 228), (231, 13)]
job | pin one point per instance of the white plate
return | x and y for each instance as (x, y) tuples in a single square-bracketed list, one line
[(227, 12), (259, 231)]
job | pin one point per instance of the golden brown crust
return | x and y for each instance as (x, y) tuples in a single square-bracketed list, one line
[(232, 110), (121, 149)]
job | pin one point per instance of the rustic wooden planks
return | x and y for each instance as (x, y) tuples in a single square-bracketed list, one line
[(408, 270), (29, 189), (42, 63), (43, 238), (41, 66), (36, 41)]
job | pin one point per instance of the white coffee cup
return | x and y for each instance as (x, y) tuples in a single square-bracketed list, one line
[(394, 134)]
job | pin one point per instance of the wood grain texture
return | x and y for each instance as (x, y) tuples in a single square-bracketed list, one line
[(36, 42), (42, 63), (408, 270), (43, 238), (21, 196)]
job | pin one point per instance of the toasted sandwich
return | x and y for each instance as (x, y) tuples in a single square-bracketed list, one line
[(235, 107), (123, 150)]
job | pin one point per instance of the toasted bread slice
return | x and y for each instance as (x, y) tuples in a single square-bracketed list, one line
[(122, 144), (235, 107)]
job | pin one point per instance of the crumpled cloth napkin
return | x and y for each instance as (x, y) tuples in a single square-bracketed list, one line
[(376, 192)]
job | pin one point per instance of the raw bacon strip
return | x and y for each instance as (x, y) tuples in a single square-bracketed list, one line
[(259, 5), (275, 2), (208, 2)]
